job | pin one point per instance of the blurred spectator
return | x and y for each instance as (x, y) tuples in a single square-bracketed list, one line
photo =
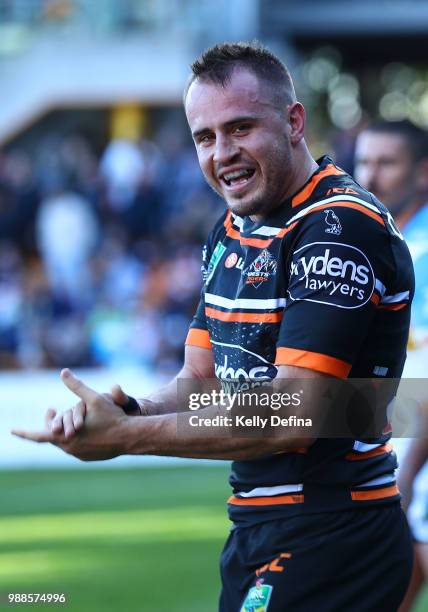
[(11, 302), (18, 200), (391, 160), (102, 260), (121, 167), (67, 234)]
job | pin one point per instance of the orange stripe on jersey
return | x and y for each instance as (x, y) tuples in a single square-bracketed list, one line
[(261, 243), (284, 231), (390, 491), (267, 501), (393, 306), (353, 205), (375, 299), (235, 234), (312, 361), (303, 195), (380, 450), (244, 317), (198, 337)]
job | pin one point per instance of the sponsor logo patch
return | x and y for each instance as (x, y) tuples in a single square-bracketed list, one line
[(231, 260), (236, 364), (258, 597), (333, 222), (261, 269), (214, 261), (331, 273)]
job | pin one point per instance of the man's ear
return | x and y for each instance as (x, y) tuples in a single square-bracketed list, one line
[(297, 119)]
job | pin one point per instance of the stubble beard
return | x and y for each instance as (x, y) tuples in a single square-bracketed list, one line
[(268, 196)]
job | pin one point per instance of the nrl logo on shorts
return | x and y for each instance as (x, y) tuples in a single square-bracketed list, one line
[(333, 222), (258, 598), (261, 269)]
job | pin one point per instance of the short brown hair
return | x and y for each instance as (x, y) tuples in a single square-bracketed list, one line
[(415, 137), (217, 64)]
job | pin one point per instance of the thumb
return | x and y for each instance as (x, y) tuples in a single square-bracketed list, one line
[(77, 386), (126, 402), (119, 396)]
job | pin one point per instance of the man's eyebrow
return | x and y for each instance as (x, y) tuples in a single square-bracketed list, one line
[(243, 119)]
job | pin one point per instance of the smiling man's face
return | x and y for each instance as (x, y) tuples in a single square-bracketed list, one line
[(242, 139)]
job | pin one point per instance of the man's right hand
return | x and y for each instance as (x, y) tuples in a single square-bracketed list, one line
[(71, 421)]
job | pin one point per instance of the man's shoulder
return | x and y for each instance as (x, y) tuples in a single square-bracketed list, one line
[(331, 187), (328, 181)]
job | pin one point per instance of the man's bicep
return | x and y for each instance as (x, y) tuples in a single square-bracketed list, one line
[(198, 362), (308, 386)]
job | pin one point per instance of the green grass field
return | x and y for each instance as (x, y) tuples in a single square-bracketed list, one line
[(115, 540), (132, 540)]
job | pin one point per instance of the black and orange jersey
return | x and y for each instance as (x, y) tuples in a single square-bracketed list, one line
[(323, 283)]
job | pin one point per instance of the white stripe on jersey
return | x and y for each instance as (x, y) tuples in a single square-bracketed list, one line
[(398, 297), (254, 304), (380, 286), (362, 447), (238, 221), (269, 491), (265, 230), (241, 348), (346, 198), (377, 481)]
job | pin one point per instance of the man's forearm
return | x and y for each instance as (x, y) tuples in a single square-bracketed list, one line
[(165, 400), (162, 401), (161, 435)]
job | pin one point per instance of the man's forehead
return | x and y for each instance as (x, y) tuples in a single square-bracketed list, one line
[(244, 90), (381, 144)]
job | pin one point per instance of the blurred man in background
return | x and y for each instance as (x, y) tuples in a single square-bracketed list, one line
[(317, 522), (391, 160)]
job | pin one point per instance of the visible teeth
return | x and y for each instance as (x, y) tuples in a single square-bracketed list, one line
[(230, 176)]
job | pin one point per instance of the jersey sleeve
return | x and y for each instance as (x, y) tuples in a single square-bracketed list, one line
[(198, 334), (336, 269)]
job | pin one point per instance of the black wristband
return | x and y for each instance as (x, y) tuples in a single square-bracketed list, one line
[(132, 406)]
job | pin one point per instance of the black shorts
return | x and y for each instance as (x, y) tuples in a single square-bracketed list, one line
[(348, 561)]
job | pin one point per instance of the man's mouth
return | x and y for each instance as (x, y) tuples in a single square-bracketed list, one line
[(237, 178)]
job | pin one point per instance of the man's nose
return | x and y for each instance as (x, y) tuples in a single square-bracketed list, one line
[(225, 150)]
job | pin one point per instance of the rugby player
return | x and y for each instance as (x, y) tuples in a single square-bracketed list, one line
[(305, 276), (391, 160)]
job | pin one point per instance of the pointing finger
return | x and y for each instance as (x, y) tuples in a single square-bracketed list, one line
[(77, 386), (34, 436)]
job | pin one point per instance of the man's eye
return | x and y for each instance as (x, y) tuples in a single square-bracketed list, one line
[(244, 127), (207, 138)]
